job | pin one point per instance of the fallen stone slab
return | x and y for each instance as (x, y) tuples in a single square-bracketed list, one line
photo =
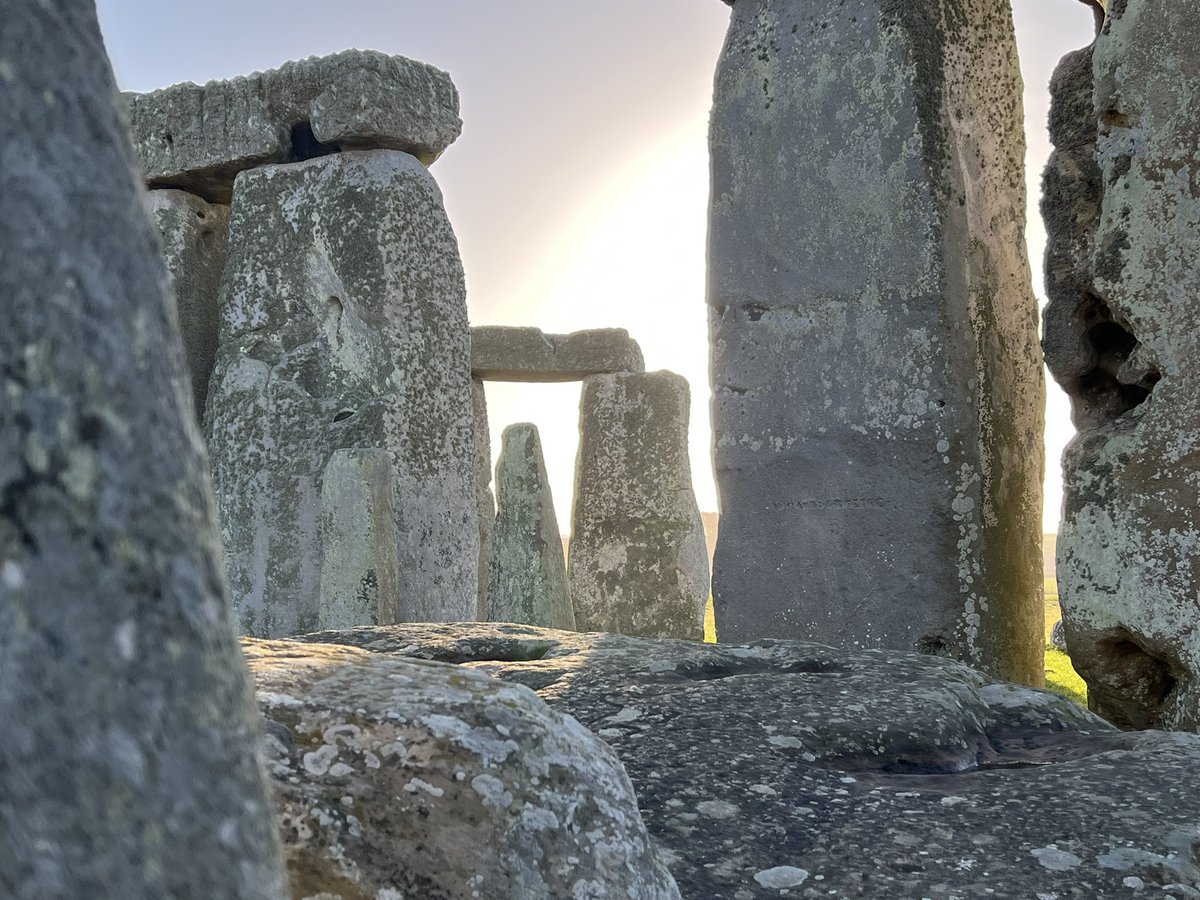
[(501, 353), (198, 137), (788, 766), (401, 778), (195, 243)]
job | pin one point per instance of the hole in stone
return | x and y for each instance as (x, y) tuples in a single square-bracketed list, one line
[(1137, 685), (1104, 394), (333, 308), (170, 139), (343, 415), (1111, 118), (305, 144), (932, 645)]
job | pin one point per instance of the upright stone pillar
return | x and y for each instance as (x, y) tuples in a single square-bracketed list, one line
[(130, 761), (877, 384), (344, 325), (195, 241), (358, 540), (637, 564), (483, 491), (1123, 338), (528, 580)]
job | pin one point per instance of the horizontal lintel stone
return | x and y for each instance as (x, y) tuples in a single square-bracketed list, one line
[(500, 353)]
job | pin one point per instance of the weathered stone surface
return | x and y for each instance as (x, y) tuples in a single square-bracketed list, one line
[(1123, 337), (637, 561), (854, 773), (398, 778), (344, 324), (501, 353), (199, 137), (528, 579), (195, 242), (483, 491), (130, 760), (877, 385), (1058, 636), (358, 540)]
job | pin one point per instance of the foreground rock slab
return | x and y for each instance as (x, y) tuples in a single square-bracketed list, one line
[(400, 778), (501, 353), (1123, 338), (130, 760), (199, 137), (876, 373), (783, 765)]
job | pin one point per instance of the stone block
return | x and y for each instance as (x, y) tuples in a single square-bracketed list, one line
[(501, 353), (198, 137), (483, 491)]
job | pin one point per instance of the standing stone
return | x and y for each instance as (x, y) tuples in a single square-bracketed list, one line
[(358, 540), (195, 240), (344, 324), (130, 761), (1123, 338), (528, 580), (877, 386), (637, 564), (483, 491)]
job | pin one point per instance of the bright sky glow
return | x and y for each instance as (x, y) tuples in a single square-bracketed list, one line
[(580, 185)]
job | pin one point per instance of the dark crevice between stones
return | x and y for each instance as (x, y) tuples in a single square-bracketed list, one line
[(1137, 685), (713, 670), (493, 651), (304, 144)]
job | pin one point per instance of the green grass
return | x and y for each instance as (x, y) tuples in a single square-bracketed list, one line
[(1060, 676)]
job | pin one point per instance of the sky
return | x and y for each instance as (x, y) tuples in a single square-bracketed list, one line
[(579, 187)]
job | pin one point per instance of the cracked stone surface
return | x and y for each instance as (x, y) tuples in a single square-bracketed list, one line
[(789, 766), (1122, 336), (399, 778), (199, 137), (876, 374), (130, 761)]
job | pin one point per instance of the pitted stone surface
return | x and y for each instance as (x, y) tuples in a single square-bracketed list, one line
[(528, 578), (877, 386), (129, 765), (399, 778), (638, 563), (198, 137), (879, 773), (502, 353), (484, 499), (195, 239), (1123, 337), (344, 324)]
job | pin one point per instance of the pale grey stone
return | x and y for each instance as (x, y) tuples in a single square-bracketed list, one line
[(195, 242), (198, 137), (637, 562), (483, 491), (1123, 338), (877, 385), (358, 540), (880, 773), (502, 353), (1058, 636), (528, 578), (401, 778), (344, 324), (129, 765)]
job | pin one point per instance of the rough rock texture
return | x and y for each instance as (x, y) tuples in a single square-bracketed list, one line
[(866, 774), (130, 760), (483, 491), (405, 779), (1058, 636), (195, 241), (877, 385), (528, 578), (637, 562), (501, 353), (358, 540), (199, 137), (1123, 337), (344, 324)]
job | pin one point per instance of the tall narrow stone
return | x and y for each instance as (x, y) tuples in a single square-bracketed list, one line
[(129, 766), (483, 491), (358, 540), (528, 579), (344, 324), (195, 241), (1122, 332), (877, 387), (637, 563)]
